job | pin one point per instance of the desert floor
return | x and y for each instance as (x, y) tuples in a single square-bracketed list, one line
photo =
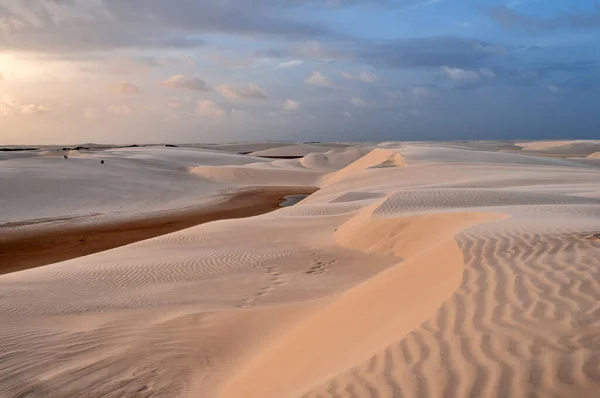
[(412, 269)]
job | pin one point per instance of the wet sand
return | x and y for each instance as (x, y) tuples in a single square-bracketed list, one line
[(51, 243)]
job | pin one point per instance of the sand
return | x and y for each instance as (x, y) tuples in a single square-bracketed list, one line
[(48, 243), (415, 270)]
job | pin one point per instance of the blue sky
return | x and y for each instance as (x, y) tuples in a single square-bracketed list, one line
[(212, 71)]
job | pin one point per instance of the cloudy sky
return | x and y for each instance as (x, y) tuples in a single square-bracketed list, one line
[(116, 71)]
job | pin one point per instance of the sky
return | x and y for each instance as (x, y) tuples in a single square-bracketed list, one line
[(151, 71)]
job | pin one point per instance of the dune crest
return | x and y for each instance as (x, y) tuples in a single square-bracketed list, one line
[(376, 158), (371, 315)]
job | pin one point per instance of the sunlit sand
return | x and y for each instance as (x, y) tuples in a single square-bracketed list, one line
[(410, 270)]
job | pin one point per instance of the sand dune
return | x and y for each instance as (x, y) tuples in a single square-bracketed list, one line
[(417, 270), (565, 148), (24, 247), (375, 158), (298, 150)]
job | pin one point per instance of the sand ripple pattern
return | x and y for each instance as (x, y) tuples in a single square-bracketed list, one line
[(134, 282), (524, 323), (415, 201)]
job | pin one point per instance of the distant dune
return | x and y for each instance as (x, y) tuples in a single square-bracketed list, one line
[(415, 270)]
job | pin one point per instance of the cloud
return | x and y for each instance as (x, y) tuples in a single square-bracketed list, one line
[(187, 61), (553, 89), (238, 115), (126, 88), (32, 109), (365, 77), (209, 109), (317, 79), (290, 64), (11, 107), (182, 82), (290, 105), (461, 75), (487, 73), (428, 52), (120, 110), (359, 102), (248, 91), (108, 24), (511, 18)]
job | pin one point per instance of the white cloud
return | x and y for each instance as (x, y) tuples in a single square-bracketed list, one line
[(317, 79), (290, 64), (209, 109), (238, 115), (290, 105), (33, 109), (248, 91), (120, 110), (188, 61), (186, 83), (10, 107), (461, 75), (487, 73), (357, 101), (553, 89), (127, 88), (366, 77), (347, 114)]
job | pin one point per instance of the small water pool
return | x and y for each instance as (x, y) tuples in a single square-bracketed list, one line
[(291, 200)]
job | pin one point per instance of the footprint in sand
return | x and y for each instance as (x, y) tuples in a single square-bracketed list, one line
[(275, 279), (319, 267)]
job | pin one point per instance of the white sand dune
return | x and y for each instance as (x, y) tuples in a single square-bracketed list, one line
[(131, 179), (567, 148), (416, 270), (297, 150), (244, 147)]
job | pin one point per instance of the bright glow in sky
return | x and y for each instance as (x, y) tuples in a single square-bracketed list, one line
[(114, 71)]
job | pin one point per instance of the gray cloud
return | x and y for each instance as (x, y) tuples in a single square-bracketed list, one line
[(433, 52), (88, 25), (193, 83), (248, 91), (429, 52), (511, 18), (81, 25)]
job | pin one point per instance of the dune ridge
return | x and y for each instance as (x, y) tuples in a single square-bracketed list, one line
[(340, 334)]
